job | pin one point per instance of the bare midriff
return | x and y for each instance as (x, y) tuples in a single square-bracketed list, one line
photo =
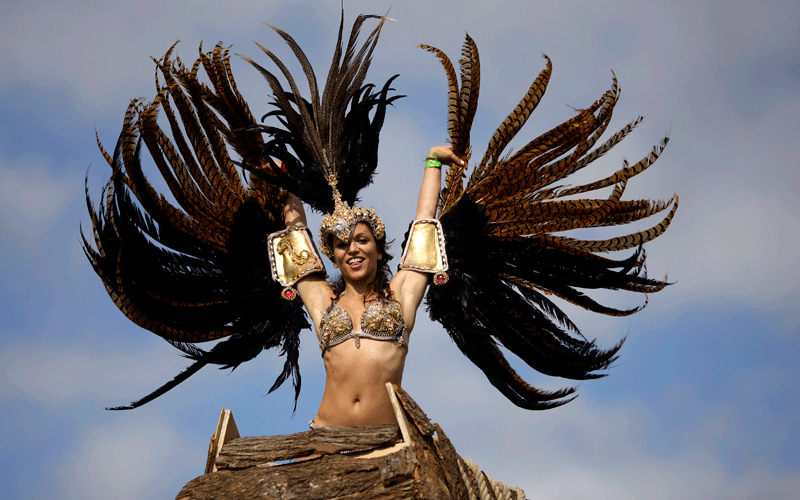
[(355, 383)]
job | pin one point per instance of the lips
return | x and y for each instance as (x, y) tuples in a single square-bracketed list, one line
[(355, 262)]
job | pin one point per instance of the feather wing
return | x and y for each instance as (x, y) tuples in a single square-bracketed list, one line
[(506, 260), (194, 269)]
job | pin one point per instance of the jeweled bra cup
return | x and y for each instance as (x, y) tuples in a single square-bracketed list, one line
[(381, 320)]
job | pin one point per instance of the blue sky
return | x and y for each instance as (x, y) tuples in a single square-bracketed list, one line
[(704, 400)]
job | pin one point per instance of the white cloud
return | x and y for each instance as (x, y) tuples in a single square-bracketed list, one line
[(140, 460), (53, 375), (32, 201), (102, 49), (590, 450)]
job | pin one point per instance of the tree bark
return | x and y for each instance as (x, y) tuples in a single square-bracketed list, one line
[(341, 463)]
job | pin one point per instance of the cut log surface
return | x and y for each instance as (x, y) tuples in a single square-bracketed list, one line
[(347, 463), (226, 430)]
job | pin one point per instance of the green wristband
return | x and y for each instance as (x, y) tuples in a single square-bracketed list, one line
[(433, 164), (432, 160)]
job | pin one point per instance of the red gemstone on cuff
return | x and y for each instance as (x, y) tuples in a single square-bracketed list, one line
[(289, 293)]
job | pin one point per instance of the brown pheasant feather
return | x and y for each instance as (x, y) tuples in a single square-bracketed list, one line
[(503, 249), (462, 102), (195, 269)]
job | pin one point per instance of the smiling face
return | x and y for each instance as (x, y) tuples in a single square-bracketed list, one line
[(357, 260)]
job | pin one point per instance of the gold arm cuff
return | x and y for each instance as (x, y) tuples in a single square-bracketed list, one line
[(425, 248), (292, 255)]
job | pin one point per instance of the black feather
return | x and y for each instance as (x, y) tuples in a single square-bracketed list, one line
[(199, 272)]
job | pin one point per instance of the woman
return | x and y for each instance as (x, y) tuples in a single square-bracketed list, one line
[(357, 369), (498, 235)]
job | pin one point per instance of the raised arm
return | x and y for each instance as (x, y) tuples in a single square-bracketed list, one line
[(294, 215), (408, 285), (428, 199), (314, 291)]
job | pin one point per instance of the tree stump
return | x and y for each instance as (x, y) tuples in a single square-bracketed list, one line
[(412, 460)]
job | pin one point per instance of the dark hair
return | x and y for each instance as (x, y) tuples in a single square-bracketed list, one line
[(383, 276)]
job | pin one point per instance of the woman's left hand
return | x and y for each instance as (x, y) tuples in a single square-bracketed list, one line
[(445, 155)]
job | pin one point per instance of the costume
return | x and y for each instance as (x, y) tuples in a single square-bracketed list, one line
[(198, 270), (381, 320)]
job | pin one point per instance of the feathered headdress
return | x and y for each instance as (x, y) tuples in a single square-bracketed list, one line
[(329, 146)]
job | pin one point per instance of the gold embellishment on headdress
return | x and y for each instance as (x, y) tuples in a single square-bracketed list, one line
[(343, 220)]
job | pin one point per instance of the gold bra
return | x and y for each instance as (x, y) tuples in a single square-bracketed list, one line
[(381, 320)]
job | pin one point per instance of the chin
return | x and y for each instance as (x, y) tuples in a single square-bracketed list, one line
[(359, 277)]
